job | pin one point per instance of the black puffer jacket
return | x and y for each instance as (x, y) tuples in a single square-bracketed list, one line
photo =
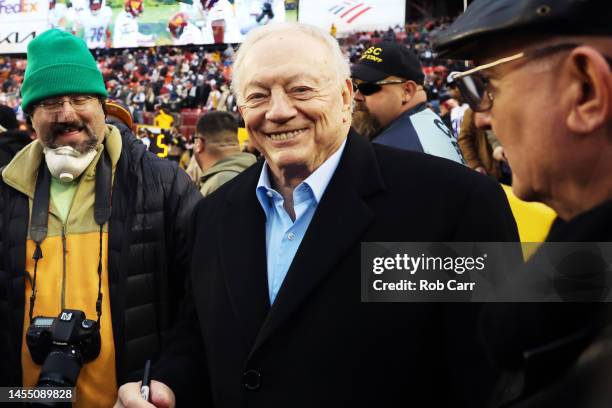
[(11, 142), (148, 258)]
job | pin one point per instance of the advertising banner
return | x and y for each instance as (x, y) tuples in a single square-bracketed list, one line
[(349, 16), (20, 21), (139, 23)]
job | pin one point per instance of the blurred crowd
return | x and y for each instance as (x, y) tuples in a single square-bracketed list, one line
[(143, 79), (159, 84), (197, 77)]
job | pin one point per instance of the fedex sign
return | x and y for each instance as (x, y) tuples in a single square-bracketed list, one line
[(15, 7), (20, 22)]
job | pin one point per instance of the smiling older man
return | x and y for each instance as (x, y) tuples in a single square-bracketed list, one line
[(274, 317)]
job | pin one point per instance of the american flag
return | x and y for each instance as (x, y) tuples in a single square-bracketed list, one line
[(349, 11)]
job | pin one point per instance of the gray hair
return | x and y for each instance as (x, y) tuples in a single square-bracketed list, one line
[(339, 62)]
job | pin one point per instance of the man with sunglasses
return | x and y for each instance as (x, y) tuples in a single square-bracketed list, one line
[(543, 76), (89, 221), (390, 103)]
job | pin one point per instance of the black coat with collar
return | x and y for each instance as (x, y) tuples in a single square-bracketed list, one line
[(318, 345), (539, 344)]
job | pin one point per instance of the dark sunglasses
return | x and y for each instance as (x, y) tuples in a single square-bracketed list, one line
[(370, 88)]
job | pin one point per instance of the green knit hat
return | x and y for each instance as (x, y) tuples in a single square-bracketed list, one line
[(59, 64)]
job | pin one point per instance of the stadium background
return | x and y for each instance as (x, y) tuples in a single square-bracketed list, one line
[(189, 80)]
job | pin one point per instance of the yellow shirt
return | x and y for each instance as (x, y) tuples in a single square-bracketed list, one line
[(163, 120)]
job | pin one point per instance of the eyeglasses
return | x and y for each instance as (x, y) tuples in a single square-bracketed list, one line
[(474, 85), (370, 88), (78, 102)]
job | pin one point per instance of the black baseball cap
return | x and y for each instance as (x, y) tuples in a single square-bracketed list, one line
[(385, 59), (486, 19)]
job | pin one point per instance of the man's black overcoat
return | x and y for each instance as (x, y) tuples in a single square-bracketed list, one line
[(318, 345)]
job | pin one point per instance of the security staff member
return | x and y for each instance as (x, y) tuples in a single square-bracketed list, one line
[(390, 103)]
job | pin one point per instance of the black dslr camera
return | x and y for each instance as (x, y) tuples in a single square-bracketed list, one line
[(61, 345)]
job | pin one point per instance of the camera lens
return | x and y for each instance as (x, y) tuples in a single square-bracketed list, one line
[(61, 369)]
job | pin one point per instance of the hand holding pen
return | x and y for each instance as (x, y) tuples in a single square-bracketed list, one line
[(145, 387), (149, 393)]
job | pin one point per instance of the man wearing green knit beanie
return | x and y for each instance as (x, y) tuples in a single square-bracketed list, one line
[(100, 226), (61, 69)]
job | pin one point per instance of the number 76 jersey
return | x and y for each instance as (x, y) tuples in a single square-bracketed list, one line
[(95, 27)]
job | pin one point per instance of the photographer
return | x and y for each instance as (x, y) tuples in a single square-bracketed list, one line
[(102, 282)]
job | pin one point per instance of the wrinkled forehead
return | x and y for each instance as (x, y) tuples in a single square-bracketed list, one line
[(268, 78)]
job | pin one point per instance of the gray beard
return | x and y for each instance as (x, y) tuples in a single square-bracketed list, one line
[(90, 143)]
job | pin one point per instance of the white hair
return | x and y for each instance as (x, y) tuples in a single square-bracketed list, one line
[(339, 62)]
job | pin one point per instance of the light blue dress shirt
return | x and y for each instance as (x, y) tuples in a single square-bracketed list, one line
[(283, 236)]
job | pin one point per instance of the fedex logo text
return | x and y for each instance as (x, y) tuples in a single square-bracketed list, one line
[(17, 7)]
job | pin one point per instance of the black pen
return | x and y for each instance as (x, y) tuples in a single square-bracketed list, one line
[(146, 381)]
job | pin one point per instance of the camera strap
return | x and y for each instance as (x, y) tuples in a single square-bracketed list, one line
[(39, 221), (102, 212), (40, 217)]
